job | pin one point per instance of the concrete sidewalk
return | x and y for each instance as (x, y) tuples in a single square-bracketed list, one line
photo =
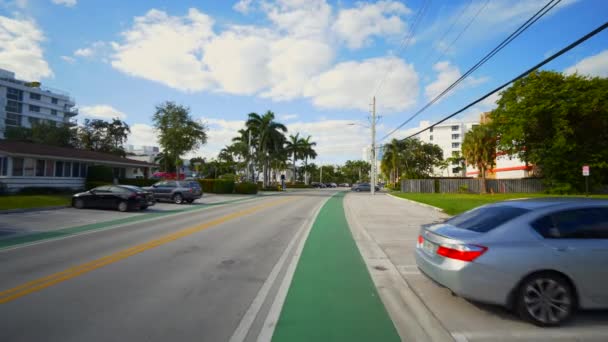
[(386, 229)]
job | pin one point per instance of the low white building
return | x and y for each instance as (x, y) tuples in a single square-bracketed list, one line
[(506, 168), (23, 103)]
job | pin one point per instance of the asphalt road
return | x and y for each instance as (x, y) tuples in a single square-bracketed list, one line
[(185, 277)]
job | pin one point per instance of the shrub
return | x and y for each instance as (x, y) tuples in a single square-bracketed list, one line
[(100, 173), (44, 190), (229, 176), (246, 188), (217, 186), (272, 188), (206, 185), (141, 182), (463, 189)]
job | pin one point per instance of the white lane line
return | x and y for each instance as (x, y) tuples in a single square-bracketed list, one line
[(240, 334), (277, 305)]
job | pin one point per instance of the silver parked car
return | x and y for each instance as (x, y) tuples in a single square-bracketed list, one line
[(177, 192), (544, 258)]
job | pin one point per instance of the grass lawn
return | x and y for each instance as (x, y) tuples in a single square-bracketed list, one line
[(453, 204), (32, 201)]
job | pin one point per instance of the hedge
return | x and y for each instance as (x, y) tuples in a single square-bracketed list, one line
[(217, 186), (246, 188), (100, 173), (141, 182)]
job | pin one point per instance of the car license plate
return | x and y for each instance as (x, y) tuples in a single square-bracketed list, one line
[(429, 247)]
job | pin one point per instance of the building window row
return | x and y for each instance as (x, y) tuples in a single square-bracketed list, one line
[(35, 96), (35, 109), (455, 136), (455, 145), (455, 128), (29, 167)]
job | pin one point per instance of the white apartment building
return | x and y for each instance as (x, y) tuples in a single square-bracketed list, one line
[(24, 103), (449, 136)]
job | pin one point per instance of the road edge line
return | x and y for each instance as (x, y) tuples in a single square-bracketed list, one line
[(270, 323), (413, 308), (242, 330)]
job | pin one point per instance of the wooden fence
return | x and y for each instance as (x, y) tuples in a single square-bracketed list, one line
[(472, 185)]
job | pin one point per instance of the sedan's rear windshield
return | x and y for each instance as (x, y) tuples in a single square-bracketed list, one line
[(194, 184), (483, 220)]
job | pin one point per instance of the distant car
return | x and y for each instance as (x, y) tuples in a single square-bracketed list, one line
[(177, 192), (344, 185), (331, 185), (544, 258), (121, 197), (318, 185), (364, 187)]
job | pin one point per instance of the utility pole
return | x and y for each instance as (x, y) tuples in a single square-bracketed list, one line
[(249, 168), (321, 174), (373, 154)]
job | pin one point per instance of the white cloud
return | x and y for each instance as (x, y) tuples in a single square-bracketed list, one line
[(596, 65), (84, 52), (219, 135), (287, 117), (349, 85), (300, 18), (447, 74), (166, 49), (20, 49), (67, 3), (68, 59), (102, 112), (356, 25), (243, 6), (142, 135)]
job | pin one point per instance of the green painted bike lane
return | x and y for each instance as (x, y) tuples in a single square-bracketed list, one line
[(332, 296), (63, 232)]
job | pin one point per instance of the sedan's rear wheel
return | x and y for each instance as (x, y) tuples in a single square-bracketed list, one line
[(358, 190), (78, 203), (123, 206), (546, 299), (178, 199)]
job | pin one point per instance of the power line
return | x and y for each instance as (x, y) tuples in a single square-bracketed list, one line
[(463, 31), (503, 44), (404, 43), (445, 34), (523, 74)]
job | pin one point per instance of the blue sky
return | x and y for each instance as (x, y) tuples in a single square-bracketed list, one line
[(315, 63)]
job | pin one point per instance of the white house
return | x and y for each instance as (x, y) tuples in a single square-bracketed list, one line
[(25, 164)]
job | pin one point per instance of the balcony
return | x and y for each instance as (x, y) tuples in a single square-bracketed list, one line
[(71, 112)]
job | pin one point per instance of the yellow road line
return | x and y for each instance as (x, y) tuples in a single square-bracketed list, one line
[(72, 272)]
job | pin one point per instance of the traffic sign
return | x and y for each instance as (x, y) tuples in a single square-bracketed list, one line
[(585, 170)]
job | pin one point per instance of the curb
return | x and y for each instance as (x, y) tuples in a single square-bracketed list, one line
[(27, 210), (418, 203)]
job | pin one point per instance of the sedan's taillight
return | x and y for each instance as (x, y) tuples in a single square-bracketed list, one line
[(420, 240), (462, 252)]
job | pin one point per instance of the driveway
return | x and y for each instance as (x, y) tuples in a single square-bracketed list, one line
[(393, 225)]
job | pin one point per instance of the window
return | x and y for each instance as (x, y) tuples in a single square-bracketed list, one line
[(13, 106), (54, 100), (455, 136), (588, 223), (431, 137), (34, 96), (34, 108), (119, 190), (29, 167), (13, 119), (75, 169), (49, 168), (484, 219), (455, 128), (83, 170), (431, 130), (54, 112), (67, 171), (14, 94), (33, 121), (455, 145), (18, 167), (3, 166), (58, 169), (40, 168), (104, 188), (455, 170)]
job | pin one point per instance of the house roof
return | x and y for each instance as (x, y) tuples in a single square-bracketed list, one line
[(45, 151)]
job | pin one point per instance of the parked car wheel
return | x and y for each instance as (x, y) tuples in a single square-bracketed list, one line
[(545, 299), (144, 207), (78, 203), (178, 199), (358, 190), (123, 206)]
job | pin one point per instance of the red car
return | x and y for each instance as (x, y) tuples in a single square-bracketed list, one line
[(167, 175)]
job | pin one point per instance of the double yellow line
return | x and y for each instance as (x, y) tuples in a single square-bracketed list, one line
[(72, 272)]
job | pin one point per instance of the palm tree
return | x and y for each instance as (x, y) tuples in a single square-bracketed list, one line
[(479, 149), (295, 146), (392, 159), (269, 137), (308, 152)]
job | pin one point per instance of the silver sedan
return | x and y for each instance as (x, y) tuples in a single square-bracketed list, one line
[(544, 258)]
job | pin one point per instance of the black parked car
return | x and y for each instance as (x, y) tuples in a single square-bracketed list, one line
[(318, 185), (121, 197), (177, 192)]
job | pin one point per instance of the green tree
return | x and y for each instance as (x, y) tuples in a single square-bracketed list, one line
[(456, 159), (392, 159), (166, 162), (410, 158), (177, 132), (355, 171), (295, 146), (308, 151), (103, 136), (196, 164), (557, 123), (479, 149), (269, 137), (43, 132)]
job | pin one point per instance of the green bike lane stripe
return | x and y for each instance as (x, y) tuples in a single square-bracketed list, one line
[(332, 296), (63, 232)]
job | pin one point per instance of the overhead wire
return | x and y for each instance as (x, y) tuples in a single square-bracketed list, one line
[(539, 14), (520, 76)]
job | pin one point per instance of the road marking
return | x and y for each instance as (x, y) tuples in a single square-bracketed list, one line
[(277, 305), (72, 272), (240, 334)]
